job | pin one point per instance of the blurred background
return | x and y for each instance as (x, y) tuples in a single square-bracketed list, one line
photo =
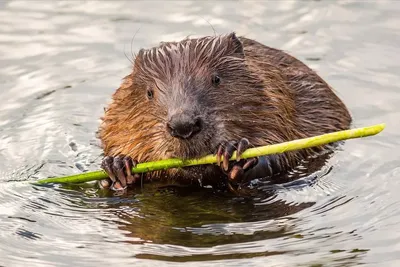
[(60, 61)]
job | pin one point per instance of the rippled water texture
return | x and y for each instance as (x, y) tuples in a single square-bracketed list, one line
[(60, 61)]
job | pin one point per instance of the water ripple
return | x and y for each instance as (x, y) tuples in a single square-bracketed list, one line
[(61, 63)]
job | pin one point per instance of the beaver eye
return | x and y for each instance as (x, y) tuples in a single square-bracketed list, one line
[(150, 94), (216, 80)]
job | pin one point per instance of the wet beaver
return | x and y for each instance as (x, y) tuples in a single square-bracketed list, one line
[(215, 94)]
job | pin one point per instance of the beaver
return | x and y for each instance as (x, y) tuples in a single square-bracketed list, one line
[(214, 95)]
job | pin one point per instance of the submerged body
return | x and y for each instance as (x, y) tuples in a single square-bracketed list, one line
[(216, 95)]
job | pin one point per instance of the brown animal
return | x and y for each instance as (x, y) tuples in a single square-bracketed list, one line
[(215, 95)]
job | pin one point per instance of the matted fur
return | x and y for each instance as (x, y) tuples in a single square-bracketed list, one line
[(265, 95)]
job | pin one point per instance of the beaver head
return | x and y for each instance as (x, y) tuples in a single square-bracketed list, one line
[(184, 98)]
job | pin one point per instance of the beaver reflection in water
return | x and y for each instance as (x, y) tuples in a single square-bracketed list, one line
[(215, 94)]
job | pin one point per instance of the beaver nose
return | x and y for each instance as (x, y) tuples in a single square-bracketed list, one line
[(184, 126)]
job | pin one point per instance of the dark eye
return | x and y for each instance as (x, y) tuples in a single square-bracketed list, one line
[(216, 80), (150, 94)]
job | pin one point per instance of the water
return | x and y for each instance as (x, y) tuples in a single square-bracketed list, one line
[(61, 61)]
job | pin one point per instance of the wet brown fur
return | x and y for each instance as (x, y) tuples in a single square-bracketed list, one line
[(265, 95)]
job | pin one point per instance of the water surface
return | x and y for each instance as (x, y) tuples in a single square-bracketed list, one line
[(60, 61)]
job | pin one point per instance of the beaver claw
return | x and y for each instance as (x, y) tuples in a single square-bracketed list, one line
[(236, 170), (119, 170)]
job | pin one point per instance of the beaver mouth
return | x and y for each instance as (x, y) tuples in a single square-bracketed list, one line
[(197, 144), (193, 148)]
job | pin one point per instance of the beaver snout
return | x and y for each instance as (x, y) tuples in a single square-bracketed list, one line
[(184, 126)]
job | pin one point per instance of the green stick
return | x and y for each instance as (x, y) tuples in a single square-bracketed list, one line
[(210, 159)]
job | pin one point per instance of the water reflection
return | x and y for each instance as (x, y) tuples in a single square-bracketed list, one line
[(200, 217)]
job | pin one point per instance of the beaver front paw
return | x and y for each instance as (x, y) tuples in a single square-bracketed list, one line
[(235, 170), (119, 170)]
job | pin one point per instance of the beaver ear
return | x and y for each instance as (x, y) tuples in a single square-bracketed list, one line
[(235, 45)]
